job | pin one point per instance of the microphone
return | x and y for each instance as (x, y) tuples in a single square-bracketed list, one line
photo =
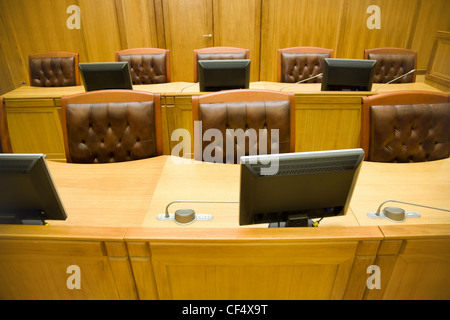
[(399, 77), (304, 80), (398, 214), (12, 87), (187, 216)]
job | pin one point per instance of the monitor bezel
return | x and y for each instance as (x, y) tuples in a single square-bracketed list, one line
[(121, 67), (248, 180), (45, 202), (223, 66), (333, 66)]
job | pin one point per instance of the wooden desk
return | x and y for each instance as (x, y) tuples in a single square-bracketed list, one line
[(125, 253), (324, 120)]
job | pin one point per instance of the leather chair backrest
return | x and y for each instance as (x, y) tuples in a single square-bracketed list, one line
[(392, 63), (409, 133), (409, 98), (100, 132), (147, 65), (252, 118), (300, 66), (299, 63), (54, 69)]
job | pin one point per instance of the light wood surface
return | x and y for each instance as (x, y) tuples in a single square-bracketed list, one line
[(185, 179), (124, 253), (425, 183), (142, 189), (114, 194)]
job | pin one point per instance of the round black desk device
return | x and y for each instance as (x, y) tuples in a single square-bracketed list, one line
[(394, 213), (188, 216), (184, 216), (398, 214)]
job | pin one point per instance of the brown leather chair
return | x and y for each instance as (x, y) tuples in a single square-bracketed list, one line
[(392, 63), (406, 126), (5, 142), (54, 69), (218, 53), (244, 109), (147, 65), (299, 63), (111, 126)]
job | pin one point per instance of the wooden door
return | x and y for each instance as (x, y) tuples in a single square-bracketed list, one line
[(237, 23), (187, 26)]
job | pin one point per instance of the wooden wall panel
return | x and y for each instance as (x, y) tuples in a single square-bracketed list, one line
[(237, 23), (185, 23), (100, 28), (293, 23), (10, 60), (263, 26), (433, 16), (137, 23), (397, 23), (37, 26)]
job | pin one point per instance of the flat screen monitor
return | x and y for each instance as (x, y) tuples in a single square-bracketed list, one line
[(291, 189), (347, 74), (27, 192), (105, 75), (217, 75)]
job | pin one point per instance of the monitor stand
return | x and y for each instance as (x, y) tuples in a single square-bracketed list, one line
[(296, 220), (32, 217)]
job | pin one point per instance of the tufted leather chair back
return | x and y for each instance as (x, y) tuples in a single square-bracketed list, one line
[(260, 110), (218, 53), (111, 126), (409, 126), (147, 65), (299, 63), (54, 69), (392, 63), (5, 142)]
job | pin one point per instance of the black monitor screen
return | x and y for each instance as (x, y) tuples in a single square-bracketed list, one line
[(105, 75), (290, 189), (348, 74), (27, 192), (217, 75)]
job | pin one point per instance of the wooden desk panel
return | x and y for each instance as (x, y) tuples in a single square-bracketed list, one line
[(241, 263), (425, 183), (34, 262), (108, 195), (125, 253)]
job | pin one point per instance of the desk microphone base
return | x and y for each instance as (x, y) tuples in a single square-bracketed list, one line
[(198, 217)]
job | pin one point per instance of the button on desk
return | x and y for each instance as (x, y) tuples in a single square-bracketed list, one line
[(124, 252)]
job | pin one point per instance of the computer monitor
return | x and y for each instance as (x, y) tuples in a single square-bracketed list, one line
[(290, 189), (27, 192), (347, 74), (105, 75), (217, 75)]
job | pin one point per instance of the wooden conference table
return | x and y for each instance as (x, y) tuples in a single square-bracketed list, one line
[(325, 120), (123, 252)]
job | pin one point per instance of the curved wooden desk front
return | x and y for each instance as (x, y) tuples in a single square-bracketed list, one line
[(324, 120), (124, 252)]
